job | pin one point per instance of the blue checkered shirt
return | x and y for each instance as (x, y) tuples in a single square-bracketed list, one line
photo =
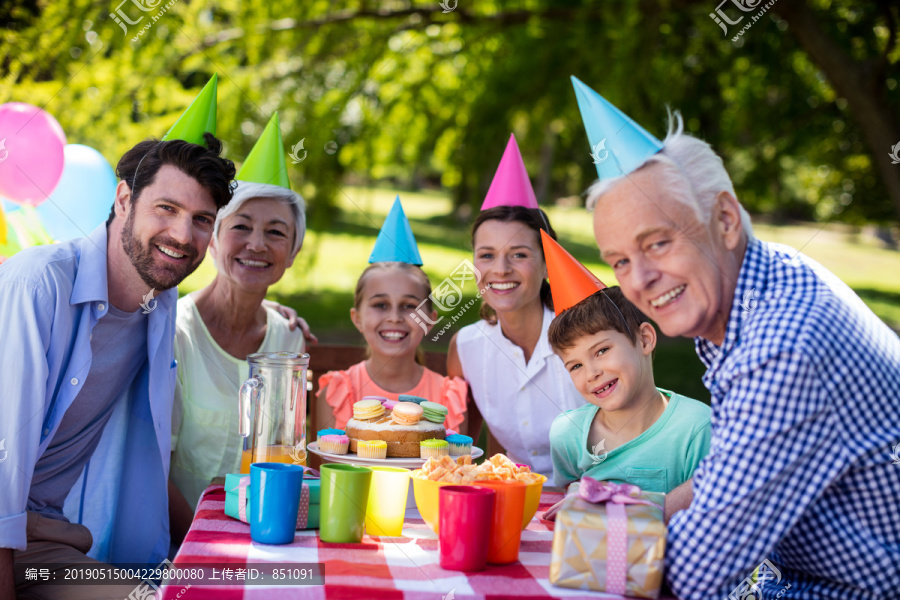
[(803, 470)]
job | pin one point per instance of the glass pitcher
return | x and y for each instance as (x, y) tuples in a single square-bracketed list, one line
[(273, 409)]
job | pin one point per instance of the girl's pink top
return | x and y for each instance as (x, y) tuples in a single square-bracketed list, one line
[(347, 387)]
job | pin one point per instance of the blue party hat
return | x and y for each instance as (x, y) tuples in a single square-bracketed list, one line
[(618, 144), (396, 241)]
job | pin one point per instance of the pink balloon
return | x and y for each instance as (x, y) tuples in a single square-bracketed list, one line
[(31, 153)]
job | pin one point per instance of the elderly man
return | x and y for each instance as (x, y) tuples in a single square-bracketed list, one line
[(804, 380), (87, 355)]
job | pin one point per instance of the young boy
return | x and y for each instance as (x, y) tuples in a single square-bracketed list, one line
[(632, 431)]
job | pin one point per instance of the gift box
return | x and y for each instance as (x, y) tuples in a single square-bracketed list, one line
[(237, 491), (610, 538)]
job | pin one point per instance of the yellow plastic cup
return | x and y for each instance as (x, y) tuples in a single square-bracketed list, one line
[(386, 507)]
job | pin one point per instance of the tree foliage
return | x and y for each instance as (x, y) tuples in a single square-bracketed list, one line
[(410, 94)]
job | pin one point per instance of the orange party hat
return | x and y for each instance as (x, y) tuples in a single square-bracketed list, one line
[(570, 281)]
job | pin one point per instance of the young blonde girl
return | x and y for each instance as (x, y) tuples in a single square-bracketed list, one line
[(386, 299)]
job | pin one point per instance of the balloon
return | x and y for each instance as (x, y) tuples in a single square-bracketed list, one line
[(2, 228), (83, 196), (25, 230), (31, 153)]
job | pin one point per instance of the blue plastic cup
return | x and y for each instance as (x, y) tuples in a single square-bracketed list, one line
[(274, 502)]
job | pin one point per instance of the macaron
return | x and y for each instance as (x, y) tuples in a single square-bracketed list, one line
[(434, 412), (390, 404), (381, 399), (367, 409), (407, 413), (409, 398)]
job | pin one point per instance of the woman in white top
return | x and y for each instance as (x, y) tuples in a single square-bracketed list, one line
[(517, 383), (256, 237)]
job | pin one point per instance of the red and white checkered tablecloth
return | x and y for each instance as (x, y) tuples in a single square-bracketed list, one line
[(404, 568)]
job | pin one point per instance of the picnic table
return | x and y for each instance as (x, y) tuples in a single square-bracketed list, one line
[(378, 568)]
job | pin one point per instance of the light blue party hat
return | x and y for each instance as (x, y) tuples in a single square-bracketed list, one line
[(396, 241), (618, 144)]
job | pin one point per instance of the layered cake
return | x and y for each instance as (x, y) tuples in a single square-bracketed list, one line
[(402, 432)]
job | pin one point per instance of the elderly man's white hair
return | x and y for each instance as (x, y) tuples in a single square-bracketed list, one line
[(692, 172), (247, 191)]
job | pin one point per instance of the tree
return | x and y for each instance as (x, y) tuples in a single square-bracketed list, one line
[(802, 106)]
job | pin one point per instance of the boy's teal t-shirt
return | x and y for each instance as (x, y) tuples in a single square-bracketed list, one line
[(658, 460)]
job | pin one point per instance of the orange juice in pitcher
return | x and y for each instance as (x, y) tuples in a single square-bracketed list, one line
[(276, 454), (273, 409)]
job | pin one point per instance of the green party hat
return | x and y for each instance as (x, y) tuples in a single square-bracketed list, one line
[(198, 118), (265, 163)]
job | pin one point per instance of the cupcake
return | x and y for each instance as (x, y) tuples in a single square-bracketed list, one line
[(371, 449), (434, 412), (459, 444), (323, 432), (433, 448), (334, 444)]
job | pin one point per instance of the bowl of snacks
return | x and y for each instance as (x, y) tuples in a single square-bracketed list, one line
[(437, 473)]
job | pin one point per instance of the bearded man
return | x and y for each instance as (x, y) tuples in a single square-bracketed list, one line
[(88, 328)]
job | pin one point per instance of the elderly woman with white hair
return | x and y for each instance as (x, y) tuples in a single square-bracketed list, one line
[(256, 237)]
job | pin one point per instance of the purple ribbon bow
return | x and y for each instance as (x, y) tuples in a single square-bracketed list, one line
[(617, 496)]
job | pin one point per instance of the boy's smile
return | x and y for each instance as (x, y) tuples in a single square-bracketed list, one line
[(610, 370)]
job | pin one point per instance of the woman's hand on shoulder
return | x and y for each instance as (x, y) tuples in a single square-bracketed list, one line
[(293, 319)]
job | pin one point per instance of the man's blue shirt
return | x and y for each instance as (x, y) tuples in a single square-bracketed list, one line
[(51, 297)]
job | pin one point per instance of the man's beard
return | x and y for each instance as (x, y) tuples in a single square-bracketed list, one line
[(158, 277)]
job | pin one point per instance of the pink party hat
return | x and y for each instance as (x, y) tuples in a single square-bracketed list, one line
[(511, 186)]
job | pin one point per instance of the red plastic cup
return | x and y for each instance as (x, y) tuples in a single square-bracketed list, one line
[(506, 527), (466, 513)]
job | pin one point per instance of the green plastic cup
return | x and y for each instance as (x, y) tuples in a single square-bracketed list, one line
[(387, 501), (344, 495)]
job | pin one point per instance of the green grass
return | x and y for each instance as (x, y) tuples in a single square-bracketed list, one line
[(320, 284)]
